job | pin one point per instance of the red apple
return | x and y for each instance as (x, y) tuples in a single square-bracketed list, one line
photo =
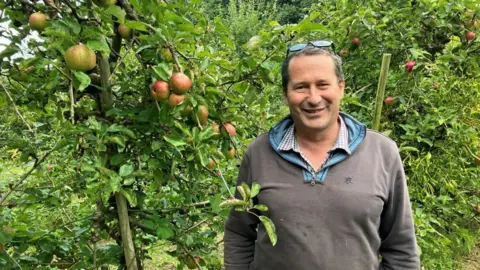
[(174, 100), (343, 52), (390, 100), (409, 66), (180, 83), (160, 90), (356, 41), (228, 129), (470, 35)]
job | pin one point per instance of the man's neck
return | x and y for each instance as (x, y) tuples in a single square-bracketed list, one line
[(324, 139)]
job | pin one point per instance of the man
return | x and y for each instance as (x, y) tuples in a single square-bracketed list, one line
[(336, 190)]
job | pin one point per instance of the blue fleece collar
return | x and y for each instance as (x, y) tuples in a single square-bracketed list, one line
[(356, 134)]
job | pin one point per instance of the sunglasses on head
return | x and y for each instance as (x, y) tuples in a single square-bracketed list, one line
[(316, 43)]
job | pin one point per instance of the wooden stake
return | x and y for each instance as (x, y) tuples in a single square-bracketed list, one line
[(381, 90)]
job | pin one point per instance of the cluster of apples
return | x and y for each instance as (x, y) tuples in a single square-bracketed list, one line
[(174, 92)]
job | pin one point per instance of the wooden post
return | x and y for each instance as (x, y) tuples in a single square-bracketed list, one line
[(381, 90), (127, 241)]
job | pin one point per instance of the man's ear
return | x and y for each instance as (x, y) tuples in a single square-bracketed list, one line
[(341, 84), (285, 100)]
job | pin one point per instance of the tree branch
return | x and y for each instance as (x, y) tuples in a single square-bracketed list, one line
[(175, 57), (16, 109), (37, 163), (72, 102), (128, 9)]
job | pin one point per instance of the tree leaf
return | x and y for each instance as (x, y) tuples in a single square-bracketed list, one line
[(255, 189), (115, 183), (248, 193), (261, 207), (241, 190), (202, 155), (82, 78), (130, 195), (118, 12), (165, 232), (125, 170), (136, 25), (215, 203), (119, 128), (9, 51), (162, 72), (156, 145), (270, 227), (117, 139), (149, 224), (99, 45), (232, 202), (175, 141)]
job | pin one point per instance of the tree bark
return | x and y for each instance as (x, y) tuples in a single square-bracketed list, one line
[(127, 241)]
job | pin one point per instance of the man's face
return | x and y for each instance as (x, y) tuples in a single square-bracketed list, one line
[(313, 92)]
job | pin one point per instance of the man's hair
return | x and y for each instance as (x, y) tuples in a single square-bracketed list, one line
[(311, 51)]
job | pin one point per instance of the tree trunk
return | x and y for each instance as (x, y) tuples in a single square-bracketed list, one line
[(128, 246)]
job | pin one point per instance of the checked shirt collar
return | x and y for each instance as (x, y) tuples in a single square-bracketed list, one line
[(290, 143)]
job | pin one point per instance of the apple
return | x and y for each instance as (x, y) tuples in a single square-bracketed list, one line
[(38, 21), (211, 164), (160, 90), (80, 58), (356, 41), (469, 35), (409, 65), (125, 32), (435, 85), (202, 114), (215, 127), (174, 100), (180, 83), (167, 55), (228, 129), (390, 100), (343, 52), (229, 153), (187, 110)]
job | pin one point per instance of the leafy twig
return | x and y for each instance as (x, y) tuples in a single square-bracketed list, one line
[(37, 163), (120, 62), (175, 57), (13, 260), (224, 181), (72, 102), (16, 109), (196, 225)]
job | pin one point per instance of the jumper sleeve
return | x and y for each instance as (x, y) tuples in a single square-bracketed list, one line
[(240, 229), (399, 246)]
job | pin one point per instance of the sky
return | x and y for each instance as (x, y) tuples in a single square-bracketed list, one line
[(4, 41)]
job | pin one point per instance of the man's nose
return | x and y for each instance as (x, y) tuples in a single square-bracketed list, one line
[(314, 96)]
